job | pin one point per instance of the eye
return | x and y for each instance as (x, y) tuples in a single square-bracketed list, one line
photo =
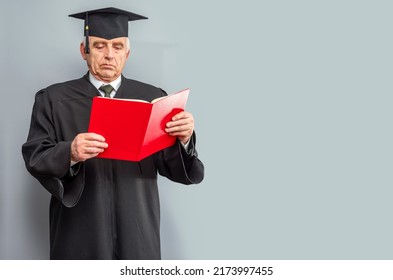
[(99, 46), (118, 47)]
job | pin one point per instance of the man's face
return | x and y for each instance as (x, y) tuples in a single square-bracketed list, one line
[(107, 58)]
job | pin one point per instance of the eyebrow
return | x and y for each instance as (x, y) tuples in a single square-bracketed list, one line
[(99, 42), (118, 43), (107, 43)]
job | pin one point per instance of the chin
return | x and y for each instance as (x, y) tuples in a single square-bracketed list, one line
[(108, 75)]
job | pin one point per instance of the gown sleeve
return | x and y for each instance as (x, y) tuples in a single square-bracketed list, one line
[(180, 165), (48, 159)]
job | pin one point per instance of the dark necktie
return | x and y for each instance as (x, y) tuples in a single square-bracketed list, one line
[(107, 89)]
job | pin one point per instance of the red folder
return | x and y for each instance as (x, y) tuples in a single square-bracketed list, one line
[(135, 129)]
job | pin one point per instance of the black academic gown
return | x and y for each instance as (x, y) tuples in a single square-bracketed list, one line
[(100, 208)]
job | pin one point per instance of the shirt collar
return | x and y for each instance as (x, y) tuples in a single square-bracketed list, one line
[(97, 83)]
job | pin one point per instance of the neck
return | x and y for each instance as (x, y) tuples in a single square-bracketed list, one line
[(97, 83), (103, 79)]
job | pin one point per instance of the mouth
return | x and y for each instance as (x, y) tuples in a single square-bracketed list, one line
[(107, 66)]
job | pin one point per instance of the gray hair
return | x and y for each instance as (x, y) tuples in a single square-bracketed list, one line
[(128, 44)]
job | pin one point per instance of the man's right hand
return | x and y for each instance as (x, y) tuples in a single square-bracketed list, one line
[(86, 146)]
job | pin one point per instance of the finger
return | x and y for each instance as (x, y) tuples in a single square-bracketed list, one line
[(179, 122), (94, 151), (82, 149), (93, 137), (96, 144), (179, 128), (179, 134), (181, 115), (183, 121)]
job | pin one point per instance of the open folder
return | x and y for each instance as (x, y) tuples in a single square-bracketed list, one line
[(135, 129)]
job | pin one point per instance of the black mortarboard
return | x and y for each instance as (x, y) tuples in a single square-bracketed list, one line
[(107, 23)]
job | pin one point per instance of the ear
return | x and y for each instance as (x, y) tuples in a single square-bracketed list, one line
[(128, 54), (82, 50)]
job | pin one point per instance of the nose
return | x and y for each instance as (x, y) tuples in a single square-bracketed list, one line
[(109, 52)]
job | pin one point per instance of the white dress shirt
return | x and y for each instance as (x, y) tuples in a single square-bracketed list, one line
[(115, 84)]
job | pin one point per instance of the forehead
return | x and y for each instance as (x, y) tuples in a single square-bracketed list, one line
[(94, 39)]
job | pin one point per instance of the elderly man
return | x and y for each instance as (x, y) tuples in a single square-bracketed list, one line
[(102, 208)]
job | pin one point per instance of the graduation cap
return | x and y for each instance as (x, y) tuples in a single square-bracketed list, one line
[(107, 23)]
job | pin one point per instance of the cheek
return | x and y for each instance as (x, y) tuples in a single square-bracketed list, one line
[(95, 61), (122, 60)]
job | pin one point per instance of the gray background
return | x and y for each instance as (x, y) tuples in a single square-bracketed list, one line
[(292, 101)]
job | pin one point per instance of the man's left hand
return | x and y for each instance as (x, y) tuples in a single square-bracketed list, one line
[(181, 126)]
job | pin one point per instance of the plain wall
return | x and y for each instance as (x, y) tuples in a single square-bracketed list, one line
[(292, 102)]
